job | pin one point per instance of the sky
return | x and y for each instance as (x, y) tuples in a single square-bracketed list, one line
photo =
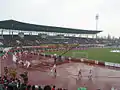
[(78, 14)]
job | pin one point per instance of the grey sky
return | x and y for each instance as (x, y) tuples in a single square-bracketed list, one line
[(65, 13)]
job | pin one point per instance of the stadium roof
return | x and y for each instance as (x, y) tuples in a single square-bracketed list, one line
[(16, 25)]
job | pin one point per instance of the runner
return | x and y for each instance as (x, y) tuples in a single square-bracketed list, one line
[(90, 74), (28, 64), (55, 58), (53, 70), (80, 74), (69, 59), (55, 73)]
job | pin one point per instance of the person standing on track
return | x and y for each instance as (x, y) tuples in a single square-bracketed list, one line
[(80, 74), (55, 58), (90, 74), (53, 70), (55, 73), (69, 59)]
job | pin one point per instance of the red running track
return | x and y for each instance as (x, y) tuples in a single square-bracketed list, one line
[(103, 78)]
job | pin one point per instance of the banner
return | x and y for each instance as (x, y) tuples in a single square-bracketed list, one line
[(112, 64)]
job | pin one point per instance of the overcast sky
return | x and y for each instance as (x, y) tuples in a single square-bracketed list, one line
[(65, 13)]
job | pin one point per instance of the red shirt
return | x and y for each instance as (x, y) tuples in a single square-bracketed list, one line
[(53, 88)]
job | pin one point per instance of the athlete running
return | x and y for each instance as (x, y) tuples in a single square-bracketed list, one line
[(80, 74), (90, 74)]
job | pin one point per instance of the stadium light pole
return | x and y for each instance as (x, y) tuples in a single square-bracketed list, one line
[(96, 69), (96, 18)]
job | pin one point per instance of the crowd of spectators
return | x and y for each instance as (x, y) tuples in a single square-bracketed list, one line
[(16, 84), (35, 40), (10, 82)]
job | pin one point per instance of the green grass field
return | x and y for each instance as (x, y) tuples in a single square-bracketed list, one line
[(100, 54)]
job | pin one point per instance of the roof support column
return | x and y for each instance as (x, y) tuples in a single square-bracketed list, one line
[(2, 32), (92, 35), (9, 31), (96, 36), (87, 35), (12, 34), (79, 35)]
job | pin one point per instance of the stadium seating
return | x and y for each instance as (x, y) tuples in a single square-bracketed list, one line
[(34, 40)]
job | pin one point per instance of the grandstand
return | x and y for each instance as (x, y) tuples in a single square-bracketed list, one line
[(11, 31), (16, 25)]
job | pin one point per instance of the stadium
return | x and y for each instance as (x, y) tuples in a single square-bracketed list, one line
[(54, 56)]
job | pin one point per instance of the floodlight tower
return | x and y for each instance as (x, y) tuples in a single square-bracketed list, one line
[(96, 18), (96, 69)]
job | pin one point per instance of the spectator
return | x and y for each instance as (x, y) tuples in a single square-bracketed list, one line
[(18, 85), (47, 87), (23, 87), (9, 88), (53, 87), (33, 87), (29, 87), (1, 86), (39, 88)]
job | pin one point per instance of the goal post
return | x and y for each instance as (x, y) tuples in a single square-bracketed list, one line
[(79, 55)]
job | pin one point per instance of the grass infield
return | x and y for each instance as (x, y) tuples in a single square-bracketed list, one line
[(100, 54)]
